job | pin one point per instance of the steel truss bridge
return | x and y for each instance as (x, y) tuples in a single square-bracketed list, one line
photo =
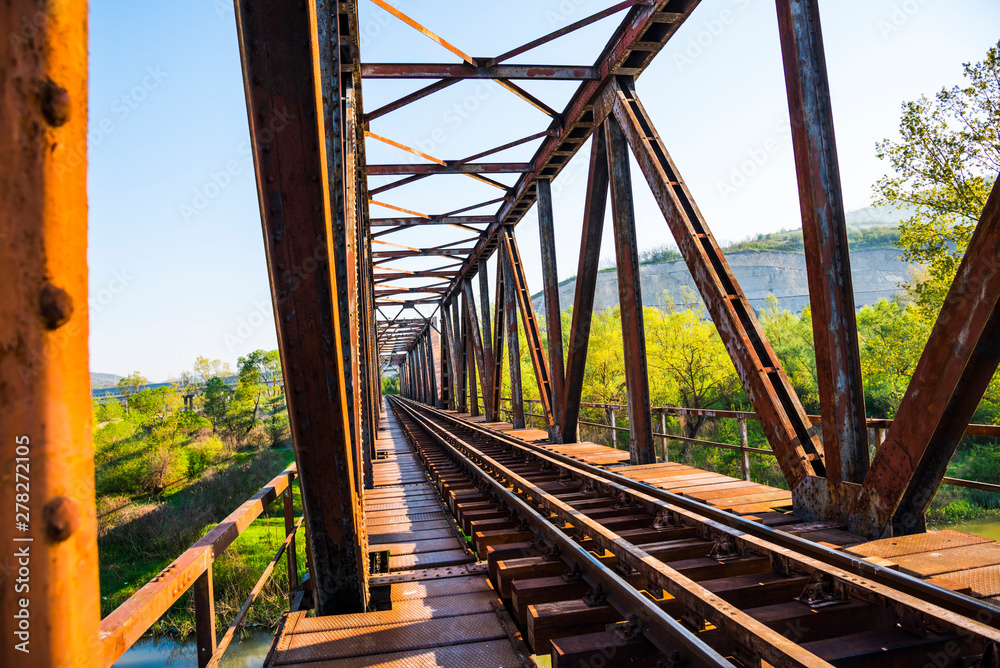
[(351, 300)]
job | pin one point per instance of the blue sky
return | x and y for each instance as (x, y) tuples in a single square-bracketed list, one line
[(176, 254)]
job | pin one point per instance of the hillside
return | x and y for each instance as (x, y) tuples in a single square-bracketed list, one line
[(771, 263), (102, 380)]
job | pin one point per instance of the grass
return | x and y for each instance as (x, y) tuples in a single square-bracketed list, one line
[(161, 487)]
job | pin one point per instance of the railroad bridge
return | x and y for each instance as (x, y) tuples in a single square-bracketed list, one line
[(438, 533)]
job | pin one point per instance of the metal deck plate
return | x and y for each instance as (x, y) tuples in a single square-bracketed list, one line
[(390, 638), (928, 564), (889, 548)]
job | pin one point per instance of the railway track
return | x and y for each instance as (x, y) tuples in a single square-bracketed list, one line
[(599, 570)]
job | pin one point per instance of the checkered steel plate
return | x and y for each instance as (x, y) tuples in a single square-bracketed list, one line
[(407, 536), (932, 541), (424, 589), (400, 518), (403, 612), (391, 638), (429, 559), (928, 564), (405, 505), (416, 546), (983, 581), (493, 654)]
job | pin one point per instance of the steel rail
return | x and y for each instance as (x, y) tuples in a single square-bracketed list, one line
[(666, 633), (944, 604)]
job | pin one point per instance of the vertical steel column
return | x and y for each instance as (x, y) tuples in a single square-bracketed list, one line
[(824, 233), (487, 342), (796, 445), (430, 369), (461, 364), (45, 428), (476, 342), (531, 332), (470, 355), (642, 450), (344, 202), (586, 284), (499, 310), (292, 64), (553, 315), (513, 344), (446, 394)]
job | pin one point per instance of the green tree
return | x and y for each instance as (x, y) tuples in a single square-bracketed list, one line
[(944, 165), (217, 399), (685, 348)]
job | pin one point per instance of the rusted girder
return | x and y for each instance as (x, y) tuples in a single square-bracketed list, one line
[(795, 443), (641, 448), (586, 284), (432, 220), (499, 332), (533, 336), (553, 314), (487, 339), (467, 71), (824, 233), (478, 349), (513, 343), (280, 51), (639, 37), (451, 168), (955, 369), (50, 600)]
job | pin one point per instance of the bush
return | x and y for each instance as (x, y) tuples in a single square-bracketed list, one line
[(202, 455), (162, 467)]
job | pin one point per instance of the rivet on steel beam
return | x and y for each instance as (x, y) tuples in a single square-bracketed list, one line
[(61, 517), (270, 179), (55, 104), (55, 306)]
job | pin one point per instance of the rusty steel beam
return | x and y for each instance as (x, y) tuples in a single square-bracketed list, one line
[(513, 343), (429, 344), (955, 369), (586, 284), (467, 71), (499, 332), (50, 601), (446, 393), (487, 342), (451, 168), (452, 252), (532, 335), (553, 314), (478, 349), (461, 364), (643, 32), (432, 220), (642, 449), (795, 443), (281, 53), (824, 233), (468, 311)]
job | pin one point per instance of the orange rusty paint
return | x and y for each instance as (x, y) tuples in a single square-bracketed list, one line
[(44, 378)]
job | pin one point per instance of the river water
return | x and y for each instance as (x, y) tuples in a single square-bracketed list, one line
[(167, 652), (987, 528)]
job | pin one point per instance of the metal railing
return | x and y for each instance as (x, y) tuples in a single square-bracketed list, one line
[(129, 621), (879, 426)]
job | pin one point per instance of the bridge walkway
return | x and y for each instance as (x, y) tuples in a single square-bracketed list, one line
[(434, 604)]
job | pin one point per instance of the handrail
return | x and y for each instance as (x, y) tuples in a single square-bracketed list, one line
[(880, 425), (193, 568)]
